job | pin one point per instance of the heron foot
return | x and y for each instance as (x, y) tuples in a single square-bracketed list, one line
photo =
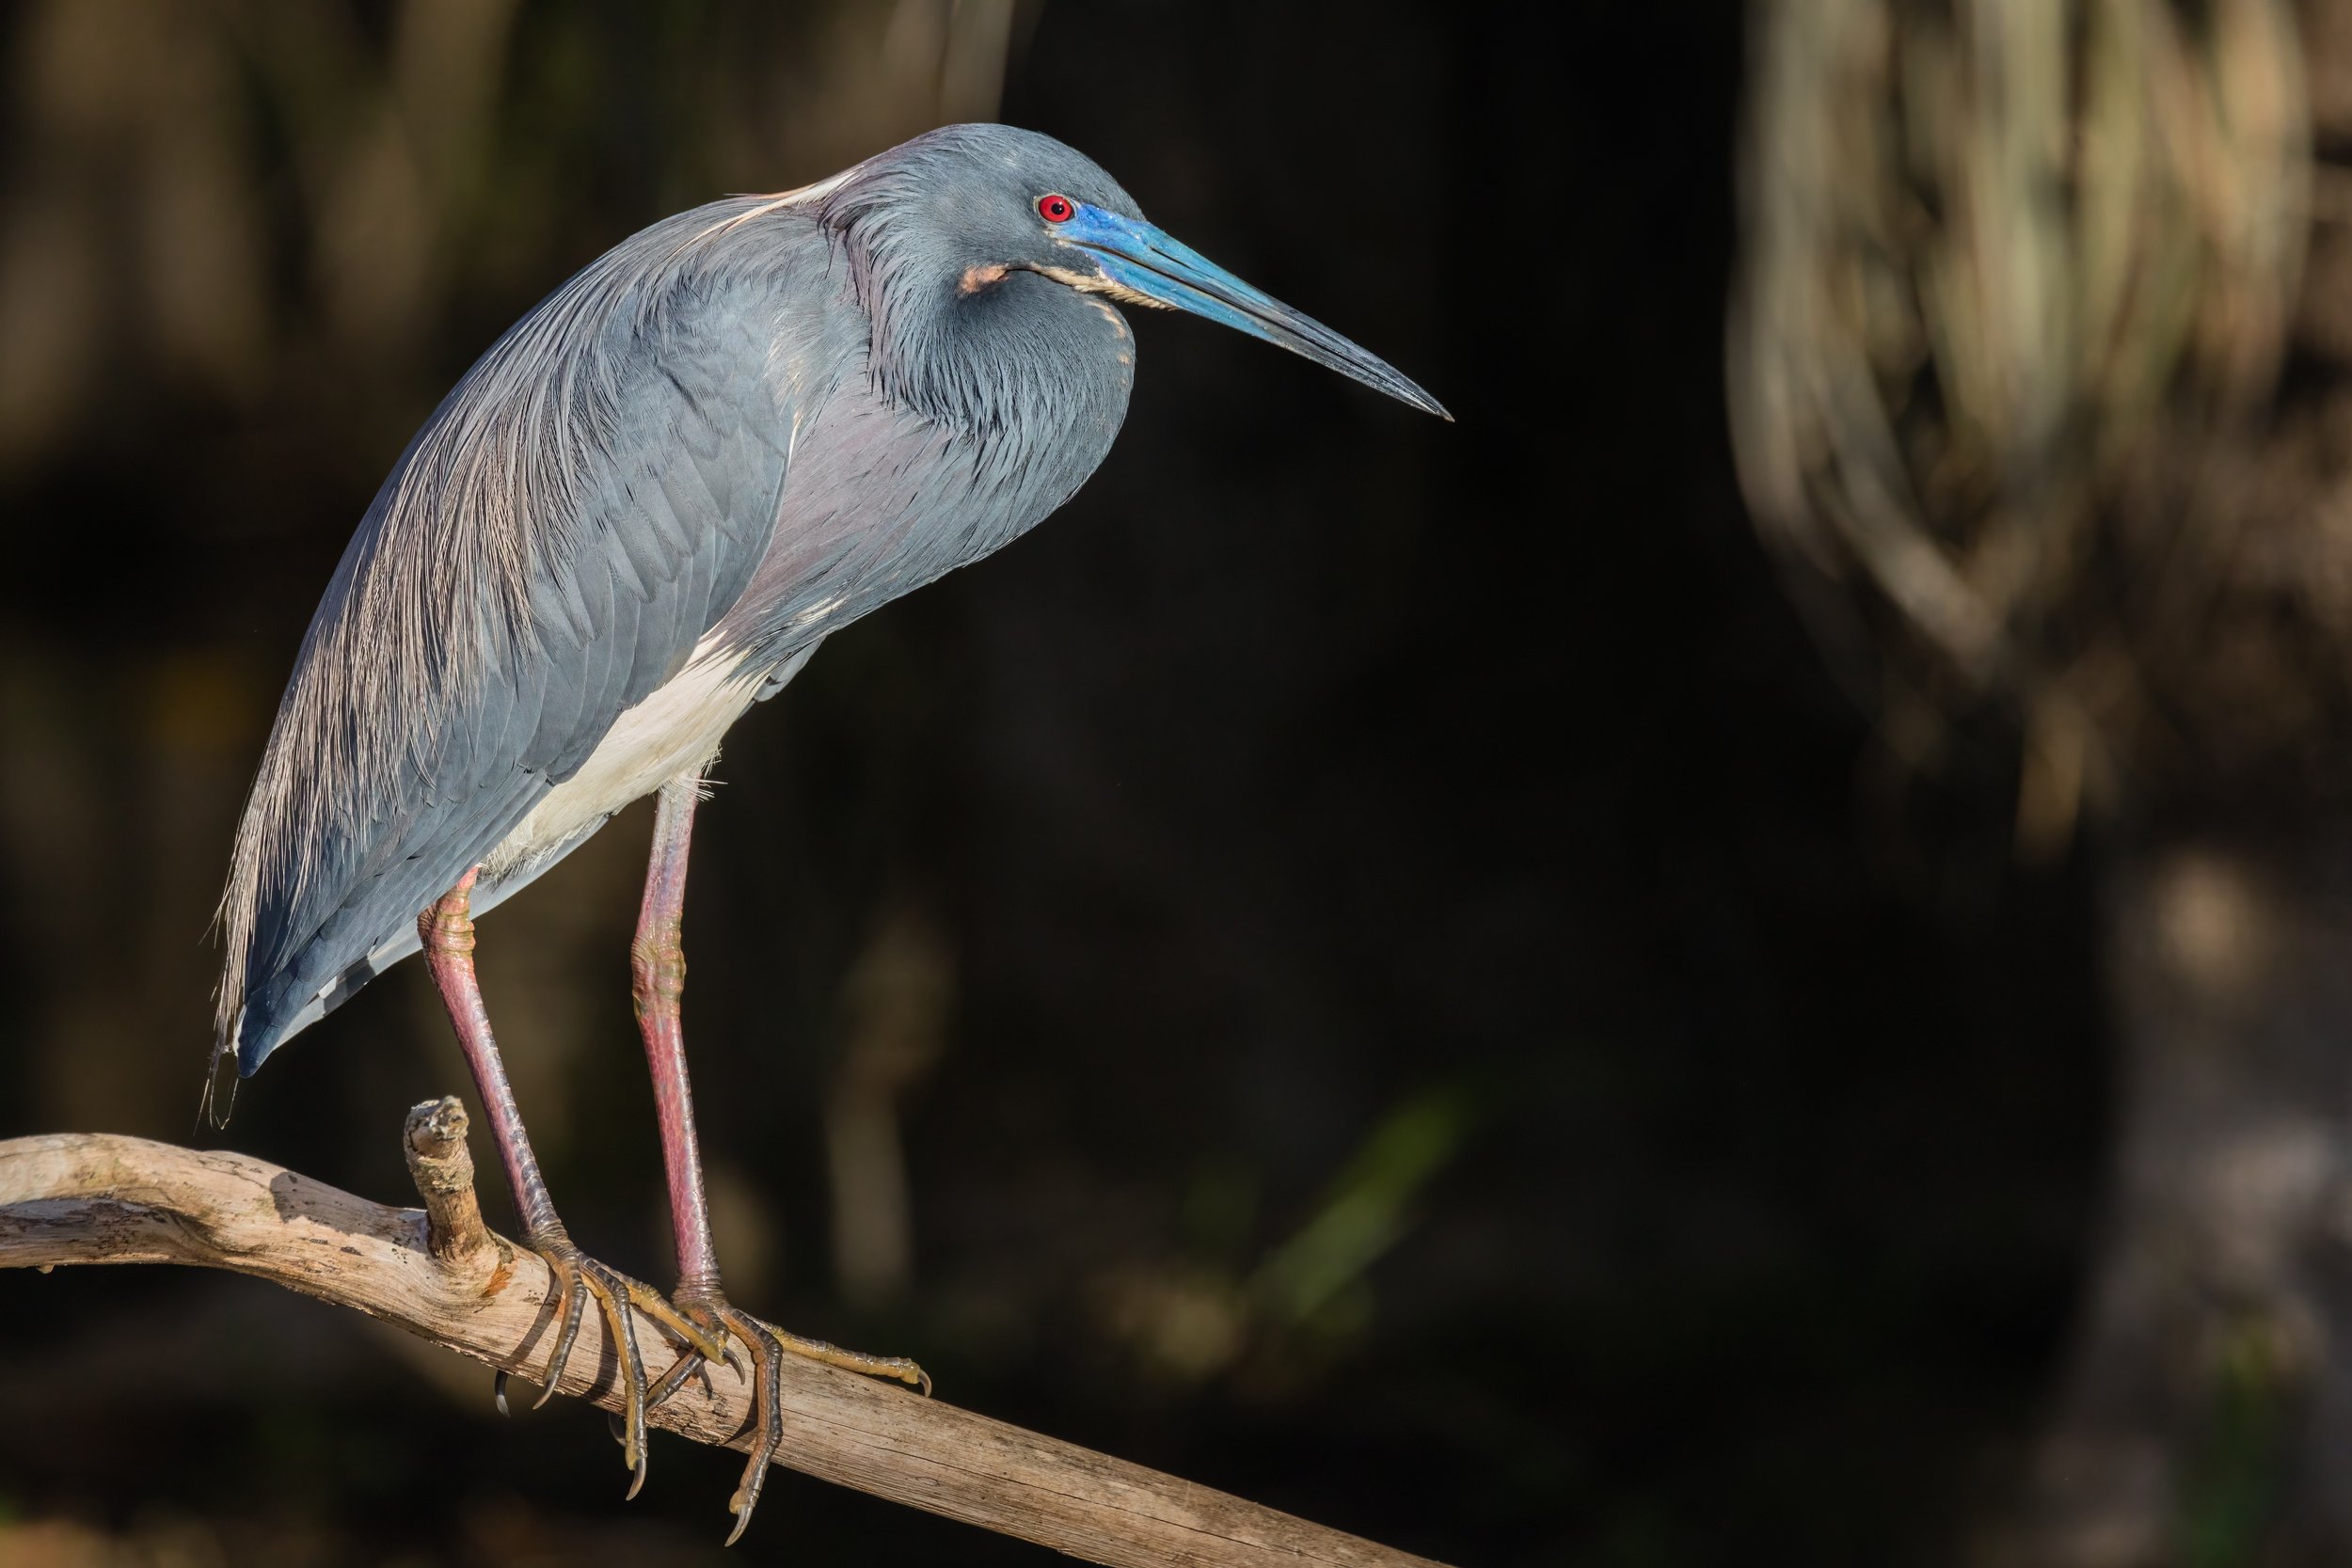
[(580, 1278), (766, 1347)]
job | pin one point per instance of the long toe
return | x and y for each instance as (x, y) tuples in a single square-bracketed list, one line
[(611, 1288), (899, 1368), (766, 1347), (563, 1266), (580, 1279), (706, 1342)]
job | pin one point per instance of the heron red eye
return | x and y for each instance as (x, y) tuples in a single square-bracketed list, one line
[(1056, 209)]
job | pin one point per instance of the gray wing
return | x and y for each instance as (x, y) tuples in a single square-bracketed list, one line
[(571, 521)]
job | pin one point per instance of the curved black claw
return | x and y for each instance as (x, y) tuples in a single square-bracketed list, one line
[(768, 1346), (579, 1279)]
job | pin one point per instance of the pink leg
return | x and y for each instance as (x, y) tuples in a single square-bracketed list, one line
[(658, 968), (446, 931)]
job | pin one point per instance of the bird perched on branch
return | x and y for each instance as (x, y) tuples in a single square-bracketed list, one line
[(638, 514)]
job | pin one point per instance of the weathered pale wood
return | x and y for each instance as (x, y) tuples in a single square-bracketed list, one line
[(442, 1167), (100, 1198)]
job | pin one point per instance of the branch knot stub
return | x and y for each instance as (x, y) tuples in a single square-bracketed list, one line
[(442, 1168)]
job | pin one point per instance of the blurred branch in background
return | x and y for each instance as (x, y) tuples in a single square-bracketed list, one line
[(141, 215), (899, 998), (2019, 283)]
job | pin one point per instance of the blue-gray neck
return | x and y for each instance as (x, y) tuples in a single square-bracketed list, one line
[(992, 352), (989, 395)]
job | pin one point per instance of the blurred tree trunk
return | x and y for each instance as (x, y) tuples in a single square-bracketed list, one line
[(2205, 1416)]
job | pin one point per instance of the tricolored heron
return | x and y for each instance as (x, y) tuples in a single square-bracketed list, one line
[(638, 514)]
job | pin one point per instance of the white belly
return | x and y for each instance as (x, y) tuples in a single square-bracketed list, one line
[(675, 730)]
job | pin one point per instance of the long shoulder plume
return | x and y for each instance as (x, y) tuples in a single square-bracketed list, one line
[(436, 590)]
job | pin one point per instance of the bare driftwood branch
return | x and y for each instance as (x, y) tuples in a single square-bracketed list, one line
[(439, 1273)]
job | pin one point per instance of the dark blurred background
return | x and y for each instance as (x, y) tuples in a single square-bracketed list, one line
[(1533, 990)]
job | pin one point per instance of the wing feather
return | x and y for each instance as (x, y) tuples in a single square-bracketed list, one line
[(554, 542)]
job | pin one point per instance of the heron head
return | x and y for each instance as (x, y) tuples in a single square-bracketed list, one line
[(991, 202)]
